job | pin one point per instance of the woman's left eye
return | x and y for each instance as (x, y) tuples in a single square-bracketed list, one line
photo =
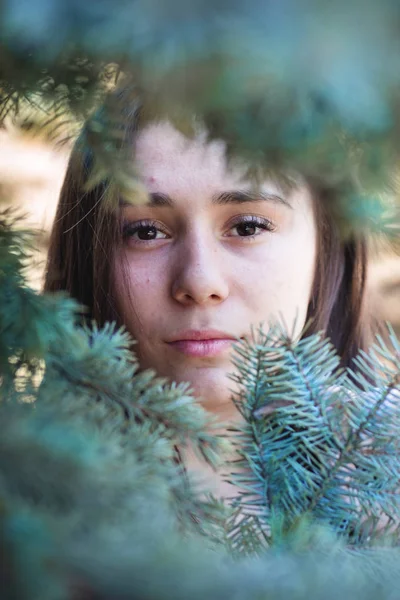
[(250, 226)]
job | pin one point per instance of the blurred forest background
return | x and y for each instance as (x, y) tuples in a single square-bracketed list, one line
[(32, 170)]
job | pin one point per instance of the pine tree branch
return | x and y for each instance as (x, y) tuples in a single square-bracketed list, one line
[(305, 451)]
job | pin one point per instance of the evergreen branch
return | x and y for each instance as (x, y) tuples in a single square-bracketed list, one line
[(312, 127), (104, 366), (87, 366), (304, 456), (248, 444), (284, 384), (184, 418), (246, 534)]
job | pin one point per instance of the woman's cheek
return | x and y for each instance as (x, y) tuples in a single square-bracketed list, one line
[(278, 286)]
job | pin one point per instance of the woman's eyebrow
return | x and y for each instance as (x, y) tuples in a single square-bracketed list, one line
[(233, 197), (156, 199), (240, 197)]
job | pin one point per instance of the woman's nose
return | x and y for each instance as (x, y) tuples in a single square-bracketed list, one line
[(199, 276)]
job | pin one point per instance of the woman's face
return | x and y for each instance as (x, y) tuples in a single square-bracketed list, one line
[(208, 258)]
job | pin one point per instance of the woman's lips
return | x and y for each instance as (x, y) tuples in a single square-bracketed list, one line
[(202, 348)]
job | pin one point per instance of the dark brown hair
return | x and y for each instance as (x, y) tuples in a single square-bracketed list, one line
[(85, 234), (338, 303)]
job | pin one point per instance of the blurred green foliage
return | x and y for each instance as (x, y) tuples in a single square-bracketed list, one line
[(296, 85), (94, 500)]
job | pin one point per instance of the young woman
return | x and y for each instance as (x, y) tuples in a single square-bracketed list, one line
[(210, 255)]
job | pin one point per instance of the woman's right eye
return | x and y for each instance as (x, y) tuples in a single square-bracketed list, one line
[(143, 231)]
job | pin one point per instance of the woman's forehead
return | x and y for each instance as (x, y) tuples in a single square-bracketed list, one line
[(162, 144), (170, 162)]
